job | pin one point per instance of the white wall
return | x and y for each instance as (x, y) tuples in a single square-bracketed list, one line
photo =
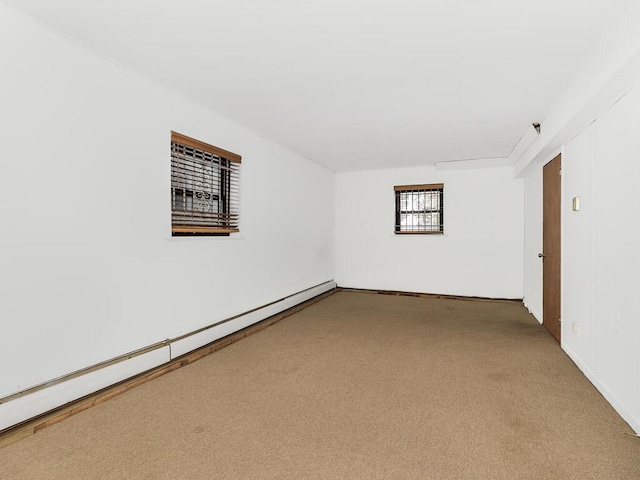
[(601, 313), (607, 72), (533, 242), (89, 270), (480, 253), (600, 260)]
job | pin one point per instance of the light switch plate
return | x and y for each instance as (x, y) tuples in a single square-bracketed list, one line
[(576, 204)]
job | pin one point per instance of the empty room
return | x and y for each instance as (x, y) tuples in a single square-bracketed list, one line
[(320, 239)]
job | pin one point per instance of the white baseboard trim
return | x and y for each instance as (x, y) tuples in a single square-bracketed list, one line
[(533, 311), (22, 406), (617, 405)]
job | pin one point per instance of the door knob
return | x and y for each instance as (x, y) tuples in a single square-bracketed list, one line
[(541, 255)]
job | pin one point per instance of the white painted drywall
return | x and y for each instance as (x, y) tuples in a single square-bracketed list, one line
[(601, 313), (89, 270), (480, 253), (609, 70), (533, 242), (600, 261)]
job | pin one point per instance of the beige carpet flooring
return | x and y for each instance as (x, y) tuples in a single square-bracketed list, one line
[(357, 386)]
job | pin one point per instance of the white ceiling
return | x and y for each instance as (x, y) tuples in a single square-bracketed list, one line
[(351, 84)]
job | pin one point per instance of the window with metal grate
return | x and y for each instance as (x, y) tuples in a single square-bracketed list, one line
[(419, 208), (205, 188)]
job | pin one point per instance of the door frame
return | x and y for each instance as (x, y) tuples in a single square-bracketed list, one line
[(551, 254)]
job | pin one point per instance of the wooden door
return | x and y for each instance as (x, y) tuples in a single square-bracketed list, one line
[(551, 197)]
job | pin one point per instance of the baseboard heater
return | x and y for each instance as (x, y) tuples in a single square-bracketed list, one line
[(36, 400)]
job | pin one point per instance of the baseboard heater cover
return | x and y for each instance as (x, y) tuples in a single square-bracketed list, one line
[(22, 406)]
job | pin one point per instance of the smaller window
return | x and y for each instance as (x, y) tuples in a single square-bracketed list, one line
[(419, 208), (205, 183)]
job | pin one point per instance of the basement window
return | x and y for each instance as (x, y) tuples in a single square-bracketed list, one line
[(205, 193), (419, 208)]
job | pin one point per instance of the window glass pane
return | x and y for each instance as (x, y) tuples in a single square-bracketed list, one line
[(419, 201), (404, 201), (415, 222), (434, 223), (432, 200)]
